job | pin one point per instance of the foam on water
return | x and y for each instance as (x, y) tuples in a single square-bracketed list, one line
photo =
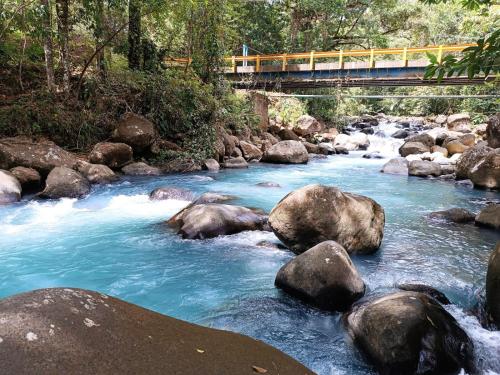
[(110, 242)]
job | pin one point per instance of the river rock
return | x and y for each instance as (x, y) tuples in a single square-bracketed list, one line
[(440, 119), (10, 188), (42, 155), (325, 148), (136, 131), (269, 137), (468, 140), (317, 213), (489, 216), (396, 166), (288, 135), (286, 152), (311, 148), (443, 151), (210, 165), (427, 290), (456, 147), (96, 173), (410, 148), (202, 221), (141, 169), (424, 168), (373, 155), (486, 173), (211, 197), (268, 184), (308, 125), (410, 333), (114, 155), (171, 192), (76, 331), (29, 178), (423, 138), (182, 165), (63, 182), (459, 122), (469, 159), (234, 163), (250, 152), (323, 276), (400, 134), (493, 286), (455, 215), (493, 131)]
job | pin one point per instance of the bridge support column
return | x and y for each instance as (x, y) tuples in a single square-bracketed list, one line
[(261, 109)]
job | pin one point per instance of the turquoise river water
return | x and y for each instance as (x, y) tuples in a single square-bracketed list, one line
[(113, 241)]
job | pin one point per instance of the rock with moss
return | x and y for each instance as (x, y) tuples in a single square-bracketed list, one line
[(63, 182), (97, 173)]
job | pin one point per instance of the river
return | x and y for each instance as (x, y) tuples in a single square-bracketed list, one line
[(113, 241)]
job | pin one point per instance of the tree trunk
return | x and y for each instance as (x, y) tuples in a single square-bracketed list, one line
[(48, 45), (134, 34), (99, 38), (62, 10)]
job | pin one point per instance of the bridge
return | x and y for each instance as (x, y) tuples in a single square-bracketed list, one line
[(349, 68)]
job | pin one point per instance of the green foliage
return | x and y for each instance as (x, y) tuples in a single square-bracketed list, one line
[(237, 112), (288, 109)]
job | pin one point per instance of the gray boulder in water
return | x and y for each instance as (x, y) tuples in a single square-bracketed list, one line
[(286, 152), (410, 333), (141, 169), (236, 163), (486, 173), (76, 331), (396, 166), (455, 215), (323, 276), (317, 213), (493, 286), (425, 289), (97, 173), (170, 192), (424, 168), (63, 182), (200, 221), (489, 216), (469, 159), (10, 188), (410, 148)]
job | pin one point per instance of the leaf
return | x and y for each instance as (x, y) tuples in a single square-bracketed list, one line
[(432, 58), (259, 370)]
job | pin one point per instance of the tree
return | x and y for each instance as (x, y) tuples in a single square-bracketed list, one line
[(47, 44), (62, 10), (134, 34)]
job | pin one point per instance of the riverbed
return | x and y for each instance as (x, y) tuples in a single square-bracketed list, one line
[(113, 241)]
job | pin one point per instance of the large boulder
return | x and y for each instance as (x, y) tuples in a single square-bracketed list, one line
[(410, 333), (489, 216), (136, 131), (210, 165), (235, 163), (10, 188), (250, 151), (307, 125), (76, 331), (141, 169), (396, 166), (63, 182), (469, 159), (455, 215), (97, 173), (29, 178), (286, 152), (269, 137), (459, 122), (493, 131), (410, 148), (317, 213), (288, 135), (456, 147), (323, 276), (486, 173), (114, 155), (200, 221), (424, 168), (41, 155), (400, 134), (311, 148), (493, 286), (423, 138)]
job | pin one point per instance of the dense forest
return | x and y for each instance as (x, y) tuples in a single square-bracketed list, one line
[(70, 69)]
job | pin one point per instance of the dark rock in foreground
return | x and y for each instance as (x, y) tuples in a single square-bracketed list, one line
[(75, 331), (410, 333), (323, 276), (455, 215), (425, 289), (317, 213), (493, 286), (200, 221)]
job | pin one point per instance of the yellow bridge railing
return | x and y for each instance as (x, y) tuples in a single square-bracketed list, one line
[(341, 55)]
